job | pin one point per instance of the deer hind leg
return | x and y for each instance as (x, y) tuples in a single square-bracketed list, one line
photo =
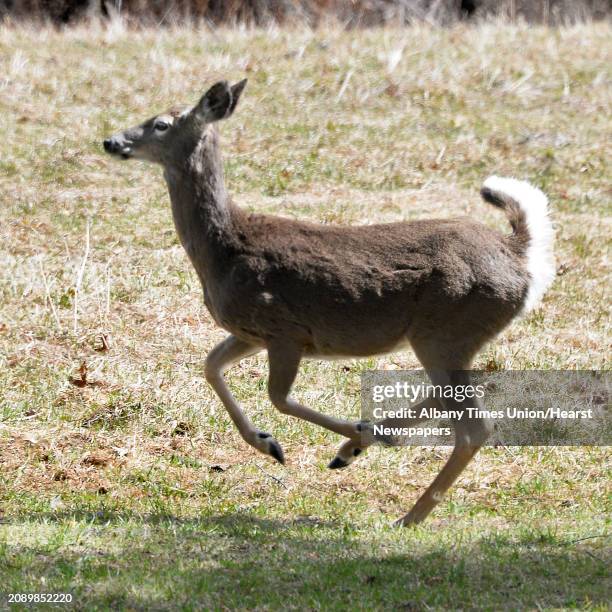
[(284, 360), (352, 448), (470, 435), (219, 359)]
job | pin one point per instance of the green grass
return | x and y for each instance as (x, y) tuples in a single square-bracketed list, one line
[(246, 561), (134, 491)]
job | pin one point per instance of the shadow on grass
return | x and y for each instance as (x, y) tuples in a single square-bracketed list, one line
[(245, 562)]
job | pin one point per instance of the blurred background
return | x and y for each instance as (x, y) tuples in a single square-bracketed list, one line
[(354, 13)]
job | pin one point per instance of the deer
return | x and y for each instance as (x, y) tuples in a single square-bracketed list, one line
[(302, 290)]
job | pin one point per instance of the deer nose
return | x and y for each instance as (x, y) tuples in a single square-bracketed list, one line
[(110, 145)]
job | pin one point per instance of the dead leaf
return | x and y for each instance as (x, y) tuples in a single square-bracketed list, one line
[(82, 381), (95, 459), (104, 343), (60, 476), (182, 429), (392, 90), (563, 269), (493, 366)]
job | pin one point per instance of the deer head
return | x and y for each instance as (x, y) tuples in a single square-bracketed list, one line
[(176, 132)]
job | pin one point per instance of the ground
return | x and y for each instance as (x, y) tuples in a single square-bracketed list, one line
[(123, 481)]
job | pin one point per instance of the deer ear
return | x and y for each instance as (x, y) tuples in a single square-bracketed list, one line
[(216, 103), (236, 89)]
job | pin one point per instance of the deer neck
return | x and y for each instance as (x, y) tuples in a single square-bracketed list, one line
[(201, 207)]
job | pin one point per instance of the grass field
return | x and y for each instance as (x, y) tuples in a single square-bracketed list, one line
[(123, 481)]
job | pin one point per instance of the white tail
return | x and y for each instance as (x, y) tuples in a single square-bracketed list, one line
[(540, 258)]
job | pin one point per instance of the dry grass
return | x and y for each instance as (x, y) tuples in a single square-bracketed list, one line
[(337, 127)]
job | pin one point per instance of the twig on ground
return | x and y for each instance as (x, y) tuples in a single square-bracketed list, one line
[(79, 280), (48, 295), (280, 482)]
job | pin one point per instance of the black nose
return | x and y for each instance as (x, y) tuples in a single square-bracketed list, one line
[(110, 146)]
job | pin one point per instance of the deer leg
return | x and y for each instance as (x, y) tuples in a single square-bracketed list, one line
[(284, 362), (462, 454), (219, 359), (352, 448), (470, 435)]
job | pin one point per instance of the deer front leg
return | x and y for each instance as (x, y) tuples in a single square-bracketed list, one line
[(219, 359), (284, 360)]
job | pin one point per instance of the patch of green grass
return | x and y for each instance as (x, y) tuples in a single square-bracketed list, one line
[(249, 561)]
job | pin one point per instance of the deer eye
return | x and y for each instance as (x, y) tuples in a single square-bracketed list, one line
[(161, 126)]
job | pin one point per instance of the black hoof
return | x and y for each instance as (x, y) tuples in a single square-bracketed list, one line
[(277, 452), (357, 452), (337, 463)]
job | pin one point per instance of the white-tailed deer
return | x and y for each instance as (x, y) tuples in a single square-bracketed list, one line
[(298, 289)]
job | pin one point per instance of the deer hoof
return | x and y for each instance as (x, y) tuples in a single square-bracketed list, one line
[(269, 446), (407, 521), (347, 453), (277, 452), (337, 463)]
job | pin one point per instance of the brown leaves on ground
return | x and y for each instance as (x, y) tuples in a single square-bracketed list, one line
[(45, 463), (97, 459), (82, 380)]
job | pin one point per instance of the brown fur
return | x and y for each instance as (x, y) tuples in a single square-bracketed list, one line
[(267, 278), (392, 277), (301, 289)]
